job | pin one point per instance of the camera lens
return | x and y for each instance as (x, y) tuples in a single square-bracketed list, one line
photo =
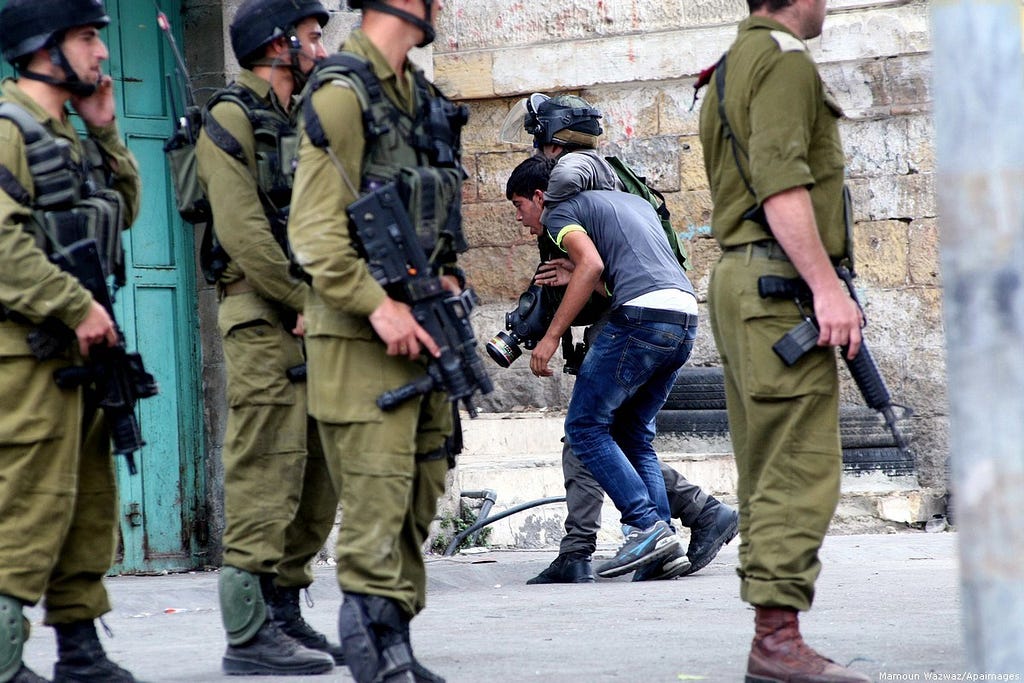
[(504, 349)]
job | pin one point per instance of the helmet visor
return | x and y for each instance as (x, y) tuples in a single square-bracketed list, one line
[(520, 125)]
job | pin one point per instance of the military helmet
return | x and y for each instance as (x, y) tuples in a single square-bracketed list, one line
[(257, 22), (566, 120), (28, 25), (425, 25)]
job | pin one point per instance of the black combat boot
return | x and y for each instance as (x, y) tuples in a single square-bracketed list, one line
[(568, 568), (256, 644), (375, 636), (81, 659), (286, 613), (716, 525)]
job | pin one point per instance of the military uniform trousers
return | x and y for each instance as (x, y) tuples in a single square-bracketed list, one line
[(58, 499), (388, 467), (279, 503), (784, 423), (584, 498)]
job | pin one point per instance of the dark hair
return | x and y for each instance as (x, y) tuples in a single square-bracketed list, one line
[(529, 176), (771, 5)]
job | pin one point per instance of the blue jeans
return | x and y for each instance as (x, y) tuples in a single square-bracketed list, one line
[(622, 384)]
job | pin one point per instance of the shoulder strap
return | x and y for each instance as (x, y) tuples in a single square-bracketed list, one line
[(357, 69), (756, 212), (737, 149), (217, 133), (33, 133)]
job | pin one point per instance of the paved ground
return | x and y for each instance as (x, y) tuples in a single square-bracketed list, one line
[(888, 603)]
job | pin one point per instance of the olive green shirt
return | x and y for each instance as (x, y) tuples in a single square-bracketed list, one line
[(787, 123), (344, 291), (238, 217), (29, 283)]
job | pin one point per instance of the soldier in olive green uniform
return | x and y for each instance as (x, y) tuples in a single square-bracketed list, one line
[(279, 501), (58, 501), (777, 186), (389, 466)]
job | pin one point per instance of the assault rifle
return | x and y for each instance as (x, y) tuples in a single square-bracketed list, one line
[(804, 337), (118, 377), (386, 238)]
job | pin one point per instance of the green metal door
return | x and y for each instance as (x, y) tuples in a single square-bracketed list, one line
[(162, 525), (162, 522)]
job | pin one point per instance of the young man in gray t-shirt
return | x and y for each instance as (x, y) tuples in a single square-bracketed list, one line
[(615, 243)]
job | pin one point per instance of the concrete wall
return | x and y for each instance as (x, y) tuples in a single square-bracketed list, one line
[(637, 62)]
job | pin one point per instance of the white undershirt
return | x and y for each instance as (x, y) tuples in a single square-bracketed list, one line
[(666, 300)]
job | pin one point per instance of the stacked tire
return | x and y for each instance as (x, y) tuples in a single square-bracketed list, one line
[(696, 408)]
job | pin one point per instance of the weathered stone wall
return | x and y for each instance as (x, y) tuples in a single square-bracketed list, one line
[(637, 61)]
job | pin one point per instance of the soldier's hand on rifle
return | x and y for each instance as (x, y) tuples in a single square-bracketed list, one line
[(97, 328), (839, 319), (451, 284), (395, 325), (97, 109), (300, 326)]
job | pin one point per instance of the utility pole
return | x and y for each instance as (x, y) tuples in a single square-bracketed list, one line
[(979, 120)]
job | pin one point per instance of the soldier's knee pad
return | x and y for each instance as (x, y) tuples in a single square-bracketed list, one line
[(242, 607), (13, 633)]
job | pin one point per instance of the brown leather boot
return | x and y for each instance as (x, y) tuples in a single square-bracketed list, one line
[(780, 655)]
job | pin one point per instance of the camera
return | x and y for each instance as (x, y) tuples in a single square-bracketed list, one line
[(525, 324)]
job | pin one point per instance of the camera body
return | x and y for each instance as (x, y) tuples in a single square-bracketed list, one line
[(525, 325)]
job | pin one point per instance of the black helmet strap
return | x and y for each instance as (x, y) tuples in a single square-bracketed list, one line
[(72, 82), (423, 24)]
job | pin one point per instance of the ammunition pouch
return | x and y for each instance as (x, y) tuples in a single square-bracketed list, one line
[(180, 150), (433, 199)]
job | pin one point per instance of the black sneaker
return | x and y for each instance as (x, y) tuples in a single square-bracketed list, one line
[(640, 548), (717, 525), (672, 566), (568, 568)]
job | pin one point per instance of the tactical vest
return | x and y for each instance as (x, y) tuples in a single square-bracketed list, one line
[(276, 152), (72, 200), (422, 153)]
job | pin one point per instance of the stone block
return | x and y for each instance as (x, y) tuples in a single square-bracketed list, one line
[(924, 265), (691, 212), (653, 158), (464, 75), (692, 175), (627, 112), (881, 252), (500, 273), (885, 197), (899, 145), (492, 172), (876, 31), (493, 224), (879, 87), (679, 115), (485, 119)]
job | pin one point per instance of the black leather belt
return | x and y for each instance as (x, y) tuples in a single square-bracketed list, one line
[(769, 249), (639, 314)]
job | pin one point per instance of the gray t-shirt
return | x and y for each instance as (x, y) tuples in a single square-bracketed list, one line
[(628, 235)]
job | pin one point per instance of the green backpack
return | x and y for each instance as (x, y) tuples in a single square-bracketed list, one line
[(637, 185)]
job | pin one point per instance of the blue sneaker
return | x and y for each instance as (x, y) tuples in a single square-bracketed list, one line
[(640, 548)]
